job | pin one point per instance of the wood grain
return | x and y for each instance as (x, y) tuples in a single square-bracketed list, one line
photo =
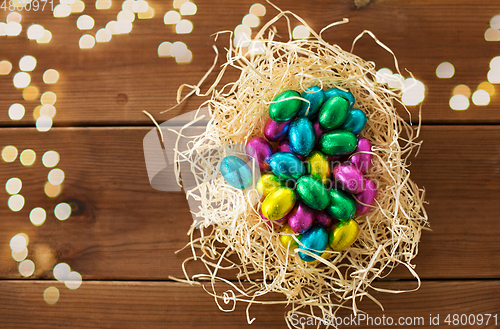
[(171, 305), (122, 229), (111, 83)]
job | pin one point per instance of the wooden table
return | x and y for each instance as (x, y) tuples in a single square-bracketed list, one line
[(122, 234)]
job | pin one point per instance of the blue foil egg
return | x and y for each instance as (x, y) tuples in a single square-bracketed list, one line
[(236, 172), (302, 136), (337, 92), (316, 97), (286, 165), (315, 240), (354, 122)]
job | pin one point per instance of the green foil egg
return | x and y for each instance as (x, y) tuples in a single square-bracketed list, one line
[(333, 112), (318, 166), (338, 142), (278, 203), (286, 238), (312, 192), (342, 205), (267, 184), (343, 235), (284, 109)]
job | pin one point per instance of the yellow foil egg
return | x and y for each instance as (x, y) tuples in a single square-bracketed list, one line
[(319, 167), (267, 184), (287, 239), (343, 235), (278, 203)]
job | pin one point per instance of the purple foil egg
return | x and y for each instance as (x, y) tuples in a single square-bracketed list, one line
[(284, 146), (318, 131), (301, 218), (276, 131), (323, 219), (367, 196), (273, 223), (260, 149), (349, 177), (362, 161)]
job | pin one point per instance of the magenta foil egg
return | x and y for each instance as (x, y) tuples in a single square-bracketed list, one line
[(323, 219), (284, 146), (276, 131), (260, 149), (318, 131), (348, 177), (272, 223), (362, 161), (301, 218), (367, 196)]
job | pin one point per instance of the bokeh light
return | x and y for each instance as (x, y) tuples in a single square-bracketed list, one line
[(26, 268), (27, 63), (184, 27), (14, 16), (30, 93), (462, 90), (300, 32), (171, 17), (38, 216), (35, 32), (256, 47), (178, 49), (5, 67), (3, 29), (495, 22), (123, 27), (86, 41), (47, 36), (188, 8), (384, 75), (48, 110), (51, 295), (13, 185), (43, 123), (55, 176), (19, 256), (178, 3), (102, 4), (50, 159), (9, 153), (125, 15), (148, 14), (27, 157), (50, 76), (492, 35), (16, 111), (459, 102), (257, 9), (62, 211), (103, 35), (48, 97), (21, 80), (52, 190), (445, 70), (164, 49), (481, 98), (16, 202), (140, 6), (62, 10), (249, 20), (488, 87), (74, 280), (78, 6), (18, 242), (186, 58), (61, 271), (13, 29)]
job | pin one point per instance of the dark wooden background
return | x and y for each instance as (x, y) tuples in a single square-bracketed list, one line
[(123, 237)]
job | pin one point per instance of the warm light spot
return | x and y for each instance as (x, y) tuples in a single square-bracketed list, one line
[(128, 5), (13, 29), (3, 29), (19, 242), (256, 48), (62, 211), (397, 81), (494, 76), (13, 185), (48, 97), (35, 32), (16, 111), (51, 295), (481, 98), (186, 58), (178, 3), (241, 40), (188, 8), (87, 41), (102, 4), (140, 6), (111, 27), (55, 176), (74, 280), (242, 29), (257, 9), (384, 75), (462, 90), (445, 70), (184, 27), (27, 63), (150, 13), (52, 190), (459, 102), (125, 15), (123, 27), (250, 20), (43, 123), (495, 63), (27, 157), (38, 216), (9, 153), (164, 49), (85, 22), (36, 112), (78, 6), (30, 93), (61, 271), (492, 35), (171, 17), (103, 35), (490, 89), (47, 36), (495, 22), (67, 2), (22, 80), (50, 76), (14, 17), (50, 159), (62, 10), (178, 49), (5, 67), (26, 268), (16, 202), (300, 32), (19, 256)]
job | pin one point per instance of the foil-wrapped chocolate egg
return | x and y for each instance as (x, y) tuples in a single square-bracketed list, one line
[(367, 197), (342, 205), (319, 167), (284, 146), (267, 184), (314, 240), (316, 97), (354, 122), (343, 235), (324, 219), (338, 142), (362, 161), (286, 237), (301, 218), (285, 107), (260, 149), (276, 131), (301, 136), (236, 172), (313, 192), (278, 203), (337, 92), (333, 112), (286, 165), (348, 177)]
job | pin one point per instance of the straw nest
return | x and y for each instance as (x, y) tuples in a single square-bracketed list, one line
[(233, 237)]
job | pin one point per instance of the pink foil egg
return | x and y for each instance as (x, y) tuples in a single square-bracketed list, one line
[(367, 196), (301, 218), (362, 161), (260, 149), (275, 223), (318, 130), (284, 146), (349, 177), (325, 220), (276, 131)]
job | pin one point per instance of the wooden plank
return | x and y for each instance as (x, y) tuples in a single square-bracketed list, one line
[(111, 83), (172, 305), (126, 230)]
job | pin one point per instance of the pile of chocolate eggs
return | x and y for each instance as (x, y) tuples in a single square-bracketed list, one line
[(312, 164)]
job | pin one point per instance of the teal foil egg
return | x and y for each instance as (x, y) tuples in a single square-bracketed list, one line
[(313, 192), (284, 109), (236, 172), (337, 92), (301, 136), (286, 165), (316, 97), (338, 142), (333, 112), (314, 240), (354, 122)]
